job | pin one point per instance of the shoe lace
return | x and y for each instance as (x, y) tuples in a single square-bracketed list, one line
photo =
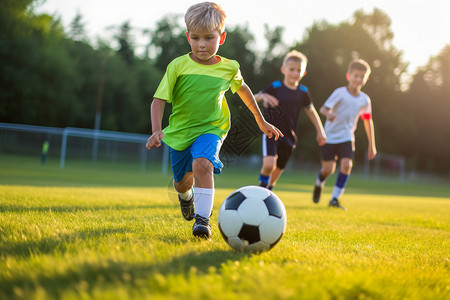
[(334, 202), (201, 221)]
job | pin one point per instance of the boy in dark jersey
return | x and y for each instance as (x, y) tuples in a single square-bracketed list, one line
[(283, 101)]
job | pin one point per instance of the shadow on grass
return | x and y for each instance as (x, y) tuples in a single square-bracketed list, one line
[(73, 209), (58, 243), (108, 272)]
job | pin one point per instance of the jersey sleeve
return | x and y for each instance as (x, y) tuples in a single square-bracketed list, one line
[(307, 100), (366, 111), (270, 89), (368, 108), (167, 84), (236, 82), (332, 100)]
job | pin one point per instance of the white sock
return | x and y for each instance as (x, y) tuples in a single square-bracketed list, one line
[(203, 201), (337, 192), (320, 183), (187, 195)]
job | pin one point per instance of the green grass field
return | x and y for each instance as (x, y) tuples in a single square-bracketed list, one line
[(108, 232)]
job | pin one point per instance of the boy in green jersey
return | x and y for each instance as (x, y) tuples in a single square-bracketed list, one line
[(195, 84)]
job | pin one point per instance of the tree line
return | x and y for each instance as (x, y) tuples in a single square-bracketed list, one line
[(55, 76)]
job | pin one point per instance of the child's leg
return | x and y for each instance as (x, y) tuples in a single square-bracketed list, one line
[(181, 162), (266, 170), (186, 195), (328, 168), (345, 170), (284, 153), (204, 186), (269, 152), (328, 156), (184, 187), (205, 152), (274, 178)]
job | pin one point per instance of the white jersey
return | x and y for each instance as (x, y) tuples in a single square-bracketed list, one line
[(347, 109)]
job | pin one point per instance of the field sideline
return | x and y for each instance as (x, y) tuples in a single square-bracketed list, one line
[(112, 232)]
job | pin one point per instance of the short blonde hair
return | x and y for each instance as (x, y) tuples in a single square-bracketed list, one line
[(205, 15), (297, 56), (359, 64)]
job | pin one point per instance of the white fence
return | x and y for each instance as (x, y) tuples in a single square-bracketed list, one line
[(80, 143)]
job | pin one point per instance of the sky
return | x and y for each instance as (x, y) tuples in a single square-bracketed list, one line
[(420, 27)]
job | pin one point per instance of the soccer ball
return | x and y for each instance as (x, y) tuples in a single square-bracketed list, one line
[(252, 218)]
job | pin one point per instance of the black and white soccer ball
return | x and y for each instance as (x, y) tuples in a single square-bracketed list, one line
[(252, 218)]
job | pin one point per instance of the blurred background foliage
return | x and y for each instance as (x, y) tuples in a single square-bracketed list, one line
[(55, 76)]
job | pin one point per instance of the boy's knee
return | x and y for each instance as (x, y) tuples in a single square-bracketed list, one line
[(328, 168), (269, 164), (326, 172), (185, 184), (346, 166), (202, 166)]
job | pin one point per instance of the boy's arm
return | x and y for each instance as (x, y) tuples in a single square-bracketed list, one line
[(314, 117), (247, 97), (368, 126), (326, 111), (157, 111), (267, 99)]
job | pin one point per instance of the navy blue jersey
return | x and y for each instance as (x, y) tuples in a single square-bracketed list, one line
[(285, 115)]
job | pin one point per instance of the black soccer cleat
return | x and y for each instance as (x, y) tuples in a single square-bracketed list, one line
[(187, 208), (316, 193), (201, 227), (335, 203)]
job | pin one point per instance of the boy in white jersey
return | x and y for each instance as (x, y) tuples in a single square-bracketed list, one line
[(342, 111), (195, 84)]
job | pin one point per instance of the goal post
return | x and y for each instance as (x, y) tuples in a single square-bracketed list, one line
[(82, 144)]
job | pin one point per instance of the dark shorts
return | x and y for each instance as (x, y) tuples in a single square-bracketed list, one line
[(207, 146), (337, 151), (270, 147)]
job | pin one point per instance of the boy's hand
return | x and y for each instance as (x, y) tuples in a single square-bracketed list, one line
[(269, 100), (321, 139), (154, 140), (372, 153), (270, 130), (331, 117)]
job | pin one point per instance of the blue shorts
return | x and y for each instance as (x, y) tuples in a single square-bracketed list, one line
[(207, 145)]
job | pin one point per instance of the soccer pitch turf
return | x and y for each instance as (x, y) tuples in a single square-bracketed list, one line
[(116, 233)]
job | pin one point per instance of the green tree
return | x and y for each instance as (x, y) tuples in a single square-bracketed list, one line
[(89, 66), (124, 38), (77, 29), (169, 41), (427, 103), (269, 69), (37, 78), (238, 46)]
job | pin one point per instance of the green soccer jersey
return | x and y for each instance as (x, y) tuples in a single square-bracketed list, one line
[(197, 94)]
